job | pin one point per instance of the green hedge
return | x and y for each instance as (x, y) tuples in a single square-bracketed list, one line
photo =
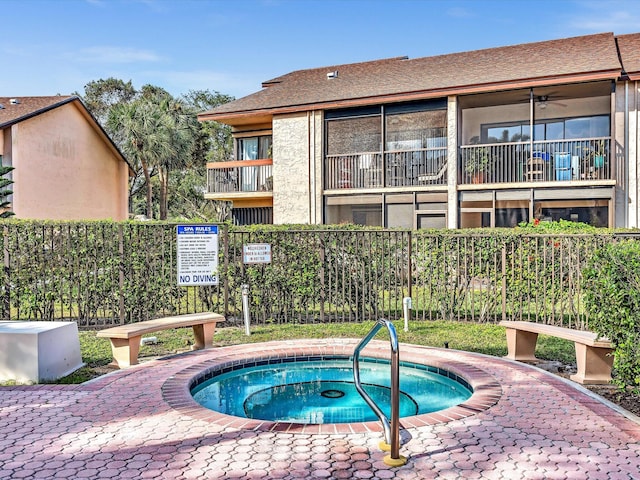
[(98, 273), (612, 296), (101, 273)]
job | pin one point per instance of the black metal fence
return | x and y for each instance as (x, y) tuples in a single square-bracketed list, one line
[(104, 273)]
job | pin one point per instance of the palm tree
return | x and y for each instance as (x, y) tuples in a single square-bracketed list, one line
[(142, 130), (182, 127)]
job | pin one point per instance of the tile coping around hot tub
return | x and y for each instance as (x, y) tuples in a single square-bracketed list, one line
[(176, 391)]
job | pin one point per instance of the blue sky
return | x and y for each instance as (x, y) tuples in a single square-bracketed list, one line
[(51, 47)]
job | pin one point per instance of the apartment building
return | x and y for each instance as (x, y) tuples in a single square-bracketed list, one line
[(485, 138)]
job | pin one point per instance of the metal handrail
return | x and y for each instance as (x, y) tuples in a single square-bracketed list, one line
[(391, 429)]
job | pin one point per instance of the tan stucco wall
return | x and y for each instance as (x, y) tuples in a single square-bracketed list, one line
[(292, 187), (317, 160), (64, 170)]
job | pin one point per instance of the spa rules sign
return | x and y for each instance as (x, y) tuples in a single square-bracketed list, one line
[(197, 255)]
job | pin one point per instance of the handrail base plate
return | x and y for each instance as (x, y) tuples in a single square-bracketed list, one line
[(394, 462)]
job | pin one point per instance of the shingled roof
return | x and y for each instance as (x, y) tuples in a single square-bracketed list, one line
[(13, 110), (17, 109), (591, 57), (629, 46)]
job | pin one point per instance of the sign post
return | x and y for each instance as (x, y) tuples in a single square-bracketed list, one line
[(252, 254), (197, 255)]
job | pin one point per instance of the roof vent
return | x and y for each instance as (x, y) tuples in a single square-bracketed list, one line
[(331, 75), (14, 101), (1, 106)]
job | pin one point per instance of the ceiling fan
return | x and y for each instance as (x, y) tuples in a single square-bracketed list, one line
[(543, 100)]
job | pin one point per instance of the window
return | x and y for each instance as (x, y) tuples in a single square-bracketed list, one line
[(354, 135), (400, 215), (556, 129), (506, 133), (426, 129), (368, 215), (253, 148), (511, 217), (411, 125), (476, 214), (403, 144), (593, 212), (361, 210), (587, 127), (431, 220)]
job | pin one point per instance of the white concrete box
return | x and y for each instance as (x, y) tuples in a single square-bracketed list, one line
[(38, 351)]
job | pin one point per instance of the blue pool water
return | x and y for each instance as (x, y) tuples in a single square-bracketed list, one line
[(322, 391)]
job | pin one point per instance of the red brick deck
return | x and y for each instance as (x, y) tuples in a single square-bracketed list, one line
[(523, 423)]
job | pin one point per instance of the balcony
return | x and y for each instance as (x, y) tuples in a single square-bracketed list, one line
[(400, 168), (239, 179), (549, 161)]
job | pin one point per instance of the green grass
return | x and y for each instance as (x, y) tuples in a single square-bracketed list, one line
[(473, 337)]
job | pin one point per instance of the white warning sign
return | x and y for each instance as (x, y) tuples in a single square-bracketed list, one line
[(256, 253)]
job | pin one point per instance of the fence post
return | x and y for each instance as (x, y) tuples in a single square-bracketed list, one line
[(121, 304), (6, 298), (504, 281), (323, 267), (225, 240), (410, 266)]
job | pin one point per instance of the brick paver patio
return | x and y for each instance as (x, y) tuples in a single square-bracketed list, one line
[(126, 425)]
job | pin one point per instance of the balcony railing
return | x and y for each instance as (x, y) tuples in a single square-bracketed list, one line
[(401, 168), (514, 162), (549, 161), (240, 176)]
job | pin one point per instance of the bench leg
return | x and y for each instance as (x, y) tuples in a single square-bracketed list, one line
[(203, 335), (125, 351), (594, 365), (521, 345)]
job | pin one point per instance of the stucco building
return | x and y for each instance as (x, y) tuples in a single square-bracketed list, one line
[(65, 165), (484, 138)]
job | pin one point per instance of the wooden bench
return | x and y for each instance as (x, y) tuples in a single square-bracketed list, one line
[(594, 357), (125, 339)]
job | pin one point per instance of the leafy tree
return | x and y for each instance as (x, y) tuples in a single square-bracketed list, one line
[(5, 192), (100, 96), (187, 201), (165, 143), (215, 143)]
